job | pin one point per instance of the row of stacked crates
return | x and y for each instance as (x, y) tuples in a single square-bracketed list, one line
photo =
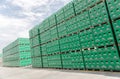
[(17, 54), (84, 34)]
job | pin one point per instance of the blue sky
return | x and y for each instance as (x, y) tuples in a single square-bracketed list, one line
[(17, 17)]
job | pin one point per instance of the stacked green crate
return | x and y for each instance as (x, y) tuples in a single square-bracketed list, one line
[(77, 60), (62, 30), (69, 11), (83, 26), (11, 60), (72, 58), (52, 20), (83, 23), (46, 24), (71, 25), (114, 9), (102, 58), (60, 17), (35, 47), (53, 47), (24, 52), (90, 3), (45, 37), (11, 55), (102, 36), (80, 35), (85, 42), (69, 41), (53, 33), (44, 55), (31, 44), (64, 45), (79, 5), (114, 12), (73, 42), (17, 53), (67, 60), (54, 61)]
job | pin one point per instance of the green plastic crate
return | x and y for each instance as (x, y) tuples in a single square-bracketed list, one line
[(116, 25), (69, 10), (53, 33), (45, 61), (83, 20), (103, 35), (92, 2), (72, 26), (52, 20), (85, 42), (99, 58), (37, 62), (79, 5), (98, 14), (60, 16), (114, 8), (54, 61), (62, 30)]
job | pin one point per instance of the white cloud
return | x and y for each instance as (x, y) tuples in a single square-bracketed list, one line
[(24, 34), (43, 5), (6, 22), (2, 6), (28, 4)]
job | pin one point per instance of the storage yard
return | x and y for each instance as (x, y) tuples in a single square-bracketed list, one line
[(79, 41)]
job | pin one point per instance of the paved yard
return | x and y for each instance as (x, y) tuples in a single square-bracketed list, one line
[(29, 73)]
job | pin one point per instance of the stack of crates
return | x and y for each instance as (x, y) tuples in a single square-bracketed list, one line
[(104, 38), (17, 53), (44, 56), (84, 34), (45, 37), (100, 36), (62, 30), (69, 11), (60, 17), (35, 47), (114, 13), (54, 57), (48, 43)]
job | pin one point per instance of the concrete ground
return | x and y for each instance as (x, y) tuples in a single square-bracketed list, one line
[(29, 73)]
